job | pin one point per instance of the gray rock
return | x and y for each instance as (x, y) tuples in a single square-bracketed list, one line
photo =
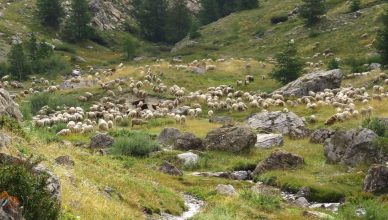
[(79, 59), (278, 160), (5, 140), (189, 159), (374, 66), (316, 82), (284, 123), (65, 161), (319, 136), (224, 120), (101, 141), (168, 136), (227, 190), (53, 184), (303, 192), (188, 141), (240, 175), (269, 140), (170, 169), (198, 70), (8, 106), (302, 202), (181, 110), (230, 138), (352, 147), (376, 180)]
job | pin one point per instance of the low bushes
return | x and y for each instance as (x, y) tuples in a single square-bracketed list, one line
[(279, 19), (261, 201), (136, 144), (375, 124)]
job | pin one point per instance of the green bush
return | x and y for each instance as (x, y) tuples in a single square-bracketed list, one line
[(51, 100), (333, 64), (31, 190), (375, 124), (261, 201), (53, 66), (12, 125), (355, 5), (279, 19), (65, 47), (373, 209), (38, 101), (357, 65), (138, 144), (382, 144)]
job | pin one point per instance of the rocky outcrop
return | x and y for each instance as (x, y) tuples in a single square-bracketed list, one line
[(101, 141), (320, 136), (352, 147), (65, 161), (170, 169), (230, 138), (278, 160), (269, 140), (316, 82), (8, 107), (284, 123), (376, 180), (188, 141), (168, 136)]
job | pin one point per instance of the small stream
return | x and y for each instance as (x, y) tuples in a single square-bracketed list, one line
[(193, 206)]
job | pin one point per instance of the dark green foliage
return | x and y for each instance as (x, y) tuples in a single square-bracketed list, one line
[(31, 190), (209, 12), (333, 64), (288, 67), (178, 22), (382, 40), (311, 10), (38, 101), (129, 48), (3, 68), (12, 125), (374, 209), (136, 144), (53, 66), (50, 12), (247, 4), (77, 26), (279, 19), (152, 17), (355, 5), (357, 65), (261, 201), (194, 29), (51, 100), (18, 64), (375, 124)]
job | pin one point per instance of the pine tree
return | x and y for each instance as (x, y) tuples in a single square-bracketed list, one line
[(210, 11), (179, 21), (311, 11), (289, 66), (382, 40), (129, 48), (77, 26), (152, 17), (50, 12), (18, 63)]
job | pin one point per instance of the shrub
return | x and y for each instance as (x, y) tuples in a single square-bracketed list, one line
[(138, 144), (357, 65), (355, 5), (65, 47), (38, 101), (53, 66), (31, 190), (12, 125), (375, 124), (261, 201), (289, 66), (333, 64), (279, 19), (382, 144)]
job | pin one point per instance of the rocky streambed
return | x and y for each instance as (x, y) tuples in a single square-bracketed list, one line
[(193, 206)]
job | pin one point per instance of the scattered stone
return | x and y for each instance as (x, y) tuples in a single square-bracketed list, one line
[(352, 147), (79, 59), (8, 107), (101, 141), (230, 138), (170, 169), (5, 140), (278, 160), (376, 180), (284, 123), (269, 140), (198, 70), (189, 159), (227, 190), (188, 141), (302, 202), (168, 136), (225, 175), (316, 82), (374, 66), (319, 136), (240, 175), (303, 192), (65, 160)]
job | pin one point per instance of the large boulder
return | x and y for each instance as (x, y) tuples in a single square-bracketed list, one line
[(320, 136), (269, 140), (168, 136), (8, 106), (284, 123), (376, 180), (226, 190), (230, 138), (189, 159), (278, 160), (188, 141), (101, 141), (352, 147), (316, 82)]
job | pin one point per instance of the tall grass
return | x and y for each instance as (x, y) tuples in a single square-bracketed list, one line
[(138, 144)]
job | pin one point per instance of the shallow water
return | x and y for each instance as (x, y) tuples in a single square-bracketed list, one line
[(193, 206)]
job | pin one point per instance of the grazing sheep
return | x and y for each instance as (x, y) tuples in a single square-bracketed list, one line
[(210, 113), (103, 125), (137, 121), (64, 132)]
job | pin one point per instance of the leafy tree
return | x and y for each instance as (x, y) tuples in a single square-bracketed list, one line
[(129, 48), (50, 12), (355, 5), (209, 12), (77, 26), (179, 21), (382, 40), (311, 10), (289, 66), (37, 52), (152, 17), (18, 63)]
